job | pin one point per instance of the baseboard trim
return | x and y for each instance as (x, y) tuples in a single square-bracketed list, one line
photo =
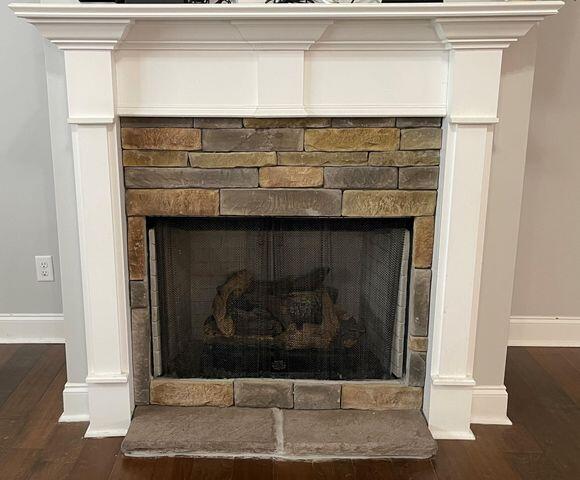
[(96, 433), (531, 331), (453, 435), (31, 328), (75, 398), (489, 405)]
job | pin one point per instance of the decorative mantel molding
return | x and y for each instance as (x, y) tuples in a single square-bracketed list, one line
[(460, 25), (408, 59)]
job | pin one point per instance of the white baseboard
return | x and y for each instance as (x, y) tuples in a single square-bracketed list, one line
[(75, 397), (31, 328), (489, 405), (527, 331)]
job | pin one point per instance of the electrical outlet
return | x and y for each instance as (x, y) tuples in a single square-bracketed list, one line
[(44, 271)]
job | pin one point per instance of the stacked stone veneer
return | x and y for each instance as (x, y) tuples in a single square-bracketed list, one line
[(350, 167)]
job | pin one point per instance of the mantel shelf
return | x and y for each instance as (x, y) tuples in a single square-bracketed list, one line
[(288, 11)]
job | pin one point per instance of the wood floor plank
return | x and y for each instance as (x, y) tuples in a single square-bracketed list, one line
[(335, 470), (536, 466), (245, 469), (17, 463), (212, 469), (15, 368), (374, 470), (96, 459), (22, 401), (41, 422), (414, 470), (508, 439), (540, 403), (126, 468), (6, 351), (60, 453), (563, 372), (284, 470)]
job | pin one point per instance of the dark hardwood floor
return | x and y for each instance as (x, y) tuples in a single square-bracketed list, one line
[(543, 443)]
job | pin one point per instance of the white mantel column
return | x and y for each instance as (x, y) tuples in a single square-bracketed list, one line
[(101, 219), (474, 78)]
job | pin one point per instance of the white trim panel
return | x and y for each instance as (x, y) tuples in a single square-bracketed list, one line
[(31, 328), (529, 331), (489, 405)]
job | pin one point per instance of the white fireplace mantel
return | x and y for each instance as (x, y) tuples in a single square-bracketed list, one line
[(439, 59)]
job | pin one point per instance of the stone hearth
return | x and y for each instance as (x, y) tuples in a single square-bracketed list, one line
[(273, 433)]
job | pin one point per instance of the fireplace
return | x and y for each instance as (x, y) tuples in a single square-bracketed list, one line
[(321, 299), (206, 70)]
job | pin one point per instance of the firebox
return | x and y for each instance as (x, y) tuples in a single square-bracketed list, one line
[(299, 298)]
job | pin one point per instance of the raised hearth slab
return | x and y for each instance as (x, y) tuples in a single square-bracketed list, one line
[(273, 433)]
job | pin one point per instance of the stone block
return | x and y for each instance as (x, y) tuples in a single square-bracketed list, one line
[(360, 177), (263, 393), (423, 233), (420, 138), (380, 396), (139, 293), (407, 158), (322, 159), (161, 138), (253, 140), (192, 392), (190, 177), (357, 434), (316, 396), (419, 304), (418, 178), (416, 369), (388, 203), (232, 160), (283, 202), (136, 248), (208, 122), (313, 122), (418, 344), (363, 122), (154, 158), (157, 122), (141, 354), (410, 122), (351, 139), (275, 177), (200, 431), (173, 203)]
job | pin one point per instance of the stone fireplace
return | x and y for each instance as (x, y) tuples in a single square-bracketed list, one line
[(287, 249), (278, 143)]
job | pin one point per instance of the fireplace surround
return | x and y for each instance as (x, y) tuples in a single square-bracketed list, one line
[(283, 61), (280, 248)]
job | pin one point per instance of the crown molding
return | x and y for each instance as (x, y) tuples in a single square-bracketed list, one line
[(451, 25)]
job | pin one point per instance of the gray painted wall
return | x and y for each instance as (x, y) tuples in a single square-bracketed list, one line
[(547, 281), (27, 204)]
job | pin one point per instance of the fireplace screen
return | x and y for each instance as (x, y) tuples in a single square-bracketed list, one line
[(281, 297)]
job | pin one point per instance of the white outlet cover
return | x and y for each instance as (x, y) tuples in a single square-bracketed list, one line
[(44, 269)]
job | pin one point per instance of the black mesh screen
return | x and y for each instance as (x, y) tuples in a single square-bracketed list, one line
[(278, 298)]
